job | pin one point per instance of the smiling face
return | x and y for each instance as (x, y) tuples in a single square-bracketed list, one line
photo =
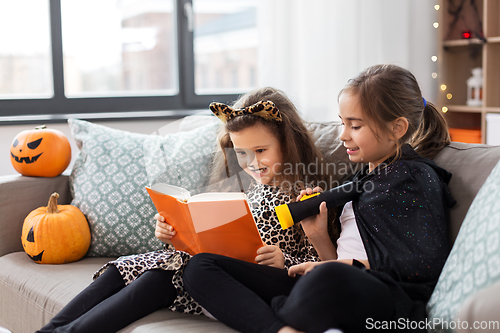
[(363, 146), (259, 153)]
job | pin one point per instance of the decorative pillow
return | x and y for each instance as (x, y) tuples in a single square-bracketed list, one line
[(474, 261), (112, 170)]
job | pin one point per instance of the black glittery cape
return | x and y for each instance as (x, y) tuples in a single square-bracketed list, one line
[(402, 217)]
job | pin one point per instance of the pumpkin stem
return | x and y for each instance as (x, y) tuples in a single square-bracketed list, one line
[(40, 127), (52, 206)]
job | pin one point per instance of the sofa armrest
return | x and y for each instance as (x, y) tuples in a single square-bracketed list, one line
[(20, 195)]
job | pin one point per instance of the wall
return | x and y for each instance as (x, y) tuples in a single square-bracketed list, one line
[(9, 132), (310, 49)]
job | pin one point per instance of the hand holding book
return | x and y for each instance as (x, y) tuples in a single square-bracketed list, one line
[(270, 255), (163, 230)]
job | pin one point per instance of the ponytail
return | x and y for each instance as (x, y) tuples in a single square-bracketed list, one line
[(432, 134)]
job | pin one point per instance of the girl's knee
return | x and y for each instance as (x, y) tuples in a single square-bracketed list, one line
[(334, 273), (335, 280), (196, 267), (198, 263)]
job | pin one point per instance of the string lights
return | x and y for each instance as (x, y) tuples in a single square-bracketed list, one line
[(434, 58)]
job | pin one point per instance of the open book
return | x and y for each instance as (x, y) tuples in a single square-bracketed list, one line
[(218, 223)]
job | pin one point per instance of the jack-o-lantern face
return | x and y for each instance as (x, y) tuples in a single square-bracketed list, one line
[(55, 234), (40, 152), (31, 239)]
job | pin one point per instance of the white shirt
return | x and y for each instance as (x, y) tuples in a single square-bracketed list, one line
[(349, 244)]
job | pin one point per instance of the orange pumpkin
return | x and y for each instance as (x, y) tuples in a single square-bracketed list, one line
[(40, 152), (55, 234)]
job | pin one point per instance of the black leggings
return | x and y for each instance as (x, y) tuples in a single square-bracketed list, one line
[(256, 298), (107, 305)]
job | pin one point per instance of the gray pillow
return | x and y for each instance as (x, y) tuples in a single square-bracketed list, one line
[(112, 170), (470, 165)]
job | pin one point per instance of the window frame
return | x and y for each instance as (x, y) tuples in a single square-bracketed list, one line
[(59, 108)]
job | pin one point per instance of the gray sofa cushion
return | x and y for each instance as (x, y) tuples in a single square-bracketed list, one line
[(31, 294), (470, 165), (338, 166)]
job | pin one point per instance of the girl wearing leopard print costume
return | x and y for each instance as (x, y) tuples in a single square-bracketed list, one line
[(263, 133)]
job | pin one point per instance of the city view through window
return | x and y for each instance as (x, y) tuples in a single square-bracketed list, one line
[(127, 47)]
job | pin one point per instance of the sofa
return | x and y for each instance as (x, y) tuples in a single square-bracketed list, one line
[(31, 294)]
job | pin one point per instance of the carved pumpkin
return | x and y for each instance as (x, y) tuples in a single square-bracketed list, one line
[(55, 234), (40, 152)]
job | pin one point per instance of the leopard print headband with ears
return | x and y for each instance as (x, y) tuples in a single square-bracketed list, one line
[(263, 109)]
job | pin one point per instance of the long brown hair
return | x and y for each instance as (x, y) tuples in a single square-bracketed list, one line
[(387, 92), (297, 146)]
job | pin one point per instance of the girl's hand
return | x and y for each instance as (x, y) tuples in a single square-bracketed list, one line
[(315, 226), (309, 191), (270, 255), (163, 230), (304, 268)]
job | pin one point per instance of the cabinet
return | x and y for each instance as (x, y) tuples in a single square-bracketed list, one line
[(457, 56)]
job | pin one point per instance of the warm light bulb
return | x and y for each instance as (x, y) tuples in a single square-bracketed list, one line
[(434, 75), (443, 87), (434, 58), (436, 7), (444, 109), (449, 96), (436, 25)]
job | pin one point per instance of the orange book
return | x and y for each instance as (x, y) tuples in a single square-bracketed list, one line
[(216, 222)]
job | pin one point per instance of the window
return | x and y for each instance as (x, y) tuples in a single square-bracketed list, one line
[(225, 42), (123, 58), (128, 49), (25, 52)]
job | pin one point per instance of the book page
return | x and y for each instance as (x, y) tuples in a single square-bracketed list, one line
[(212, 214), (172, 190), (217, 196)]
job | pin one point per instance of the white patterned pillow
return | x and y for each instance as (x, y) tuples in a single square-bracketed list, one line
[(474, 261), (112, 170)]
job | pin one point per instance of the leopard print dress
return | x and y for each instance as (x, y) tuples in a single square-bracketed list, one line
[(262, 199)]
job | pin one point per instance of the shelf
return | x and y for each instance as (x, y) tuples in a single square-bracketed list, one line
[(462, 42), (492, 40), (470, 41), (492, 110), (457, 58), (464, 108), (472, 109)]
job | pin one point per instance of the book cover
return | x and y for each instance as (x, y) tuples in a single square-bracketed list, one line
[(220, 223)]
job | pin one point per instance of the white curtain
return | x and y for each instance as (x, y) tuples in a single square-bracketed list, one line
[(310, 48)]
